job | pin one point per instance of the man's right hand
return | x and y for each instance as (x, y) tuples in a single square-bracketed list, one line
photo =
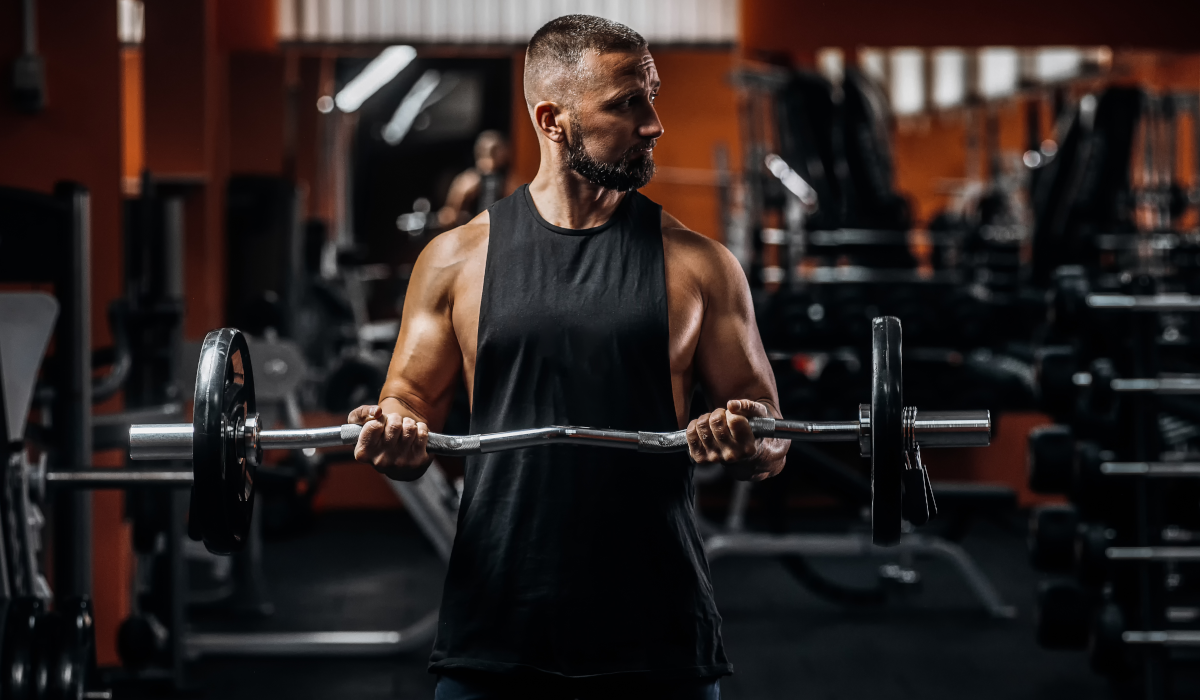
[(393, 444)]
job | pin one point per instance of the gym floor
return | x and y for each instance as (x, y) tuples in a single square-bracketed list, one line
[(367, 570)]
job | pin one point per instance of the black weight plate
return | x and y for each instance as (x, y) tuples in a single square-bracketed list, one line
[(1051, 459), (71, 658), (18, 680), (887, 435), (1062, 615), (48, 645), (223, 490)]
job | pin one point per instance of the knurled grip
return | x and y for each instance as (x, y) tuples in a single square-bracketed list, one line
[(350, 433), (452, 444), (763, 427), (677, 441), (662, 442)]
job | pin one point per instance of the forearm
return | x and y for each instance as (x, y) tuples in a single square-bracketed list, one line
[(393, 404)]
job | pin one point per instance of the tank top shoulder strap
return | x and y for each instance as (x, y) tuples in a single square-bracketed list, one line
[(644, 213)]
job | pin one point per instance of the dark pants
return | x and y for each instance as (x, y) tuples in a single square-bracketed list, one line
[(489, 687)]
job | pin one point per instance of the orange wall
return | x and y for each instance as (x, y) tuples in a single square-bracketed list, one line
[(698, 109), (79, 137), (785, 26), (256, 113)]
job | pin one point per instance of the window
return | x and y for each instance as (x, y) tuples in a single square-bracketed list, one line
[(907, 86), (999, 68), (949, 77)]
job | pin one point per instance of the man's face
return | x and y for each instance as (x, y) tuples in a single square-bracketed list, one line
[(614, 128)]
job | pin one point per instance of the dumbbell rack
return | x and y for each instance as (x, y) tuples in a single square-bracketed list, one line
[(1127, 559)]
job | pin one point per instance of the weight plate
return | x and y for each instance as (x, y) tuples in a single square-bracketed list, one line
[(223, 490), (18, 680), (48, 644), (887, 433), (70, 660), (1062, 615)]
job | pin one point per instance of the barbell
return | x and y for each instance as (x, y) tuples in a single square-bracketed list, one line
[(225, 439)]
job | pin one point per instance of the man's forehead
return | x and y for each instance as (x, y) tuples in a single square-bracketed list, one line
[(624, 65)]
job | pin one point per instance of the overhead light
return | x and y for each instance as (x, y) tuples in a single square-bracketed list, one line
[(792, 181), (379, 72), (429, 89)]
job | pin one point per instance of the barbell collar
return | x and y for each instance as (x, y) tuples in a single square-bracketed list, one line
[(1151, 302)]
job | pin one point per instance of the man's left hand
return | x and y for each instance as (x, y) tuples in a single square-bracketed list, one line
[(724, 436)]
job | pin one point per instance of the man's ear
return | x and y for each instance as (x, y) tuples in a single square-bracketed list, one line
[(550, 118)]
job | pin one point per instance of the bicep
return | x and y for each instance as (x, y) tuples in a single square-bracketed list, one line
[(427, 361), (730, 359)]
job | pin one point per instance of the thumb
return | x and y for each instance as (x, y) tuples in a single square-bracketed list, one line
[(746, 407)]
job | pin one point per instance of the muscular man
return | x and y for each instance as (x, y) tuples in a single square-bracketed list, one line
[(578, 572), (475, 189)]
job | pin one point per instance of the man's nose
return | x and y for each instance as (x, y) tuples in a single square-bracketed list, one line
[(652, 128)]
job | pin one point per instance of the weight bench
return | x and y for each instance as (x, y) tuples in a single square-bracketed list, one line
[(958, 504)]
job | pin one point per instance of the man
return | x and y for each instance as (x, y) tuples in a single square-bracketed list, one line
[(475, 189), (578, 572)]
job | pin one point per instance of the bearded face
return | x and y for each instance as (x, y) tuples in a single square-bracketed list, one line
[(632, 171)]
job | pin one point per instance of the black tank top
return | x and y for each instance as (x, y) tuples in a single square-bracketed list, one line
[(576, 561)]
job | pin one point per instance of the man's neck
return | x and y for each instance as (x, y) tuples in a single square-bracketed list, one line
[(565, 199)]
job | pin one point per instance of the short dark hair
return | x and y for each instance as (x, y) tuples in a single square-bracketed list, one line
[(557, 48)]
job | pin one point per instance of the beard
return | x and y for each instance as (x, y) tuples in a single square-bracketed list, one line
[(631, 172)]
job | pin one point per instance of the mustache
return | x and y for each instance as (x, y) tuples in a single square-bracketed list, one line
[(650, 144)]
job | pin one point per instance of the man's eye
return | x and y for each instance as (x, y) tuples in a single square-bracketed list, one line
[(653, 97)]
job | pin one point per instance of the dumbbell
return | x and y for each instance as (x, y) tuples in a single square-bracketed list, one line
[(1063, 615), (225, 439), (1054, 368), (1106, 648), (1052, 534), (1051, 459)]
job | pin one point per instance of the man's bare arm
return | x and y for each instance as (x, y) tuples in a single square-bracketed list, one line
[(464, 187), (733, 368), (425, 366)]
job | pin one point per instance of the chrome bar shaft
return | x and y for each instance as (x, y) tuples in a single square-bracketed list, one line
[(1158, 385), (1170, 638), (1160, 469), (953, 428), (1153, 553), (162, 441), (118, 478), (932, 429), (1156, 302)]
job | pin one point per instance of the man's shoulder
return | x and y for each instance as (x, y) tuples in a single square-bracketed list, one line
[(697, 249), (459, 242), (448, 254)]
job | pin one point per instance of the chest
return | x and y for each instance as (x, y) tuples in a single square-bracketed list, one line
[(577, 293)]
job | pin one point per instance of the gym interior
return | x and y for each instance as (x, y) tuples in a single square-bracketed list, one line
[(969, 227)]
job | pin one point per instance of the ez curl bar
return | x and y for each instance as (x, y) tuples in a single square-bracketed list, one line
[(225, 442)]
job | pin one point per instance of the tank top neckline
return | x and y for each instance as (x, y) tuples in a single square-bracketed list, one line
[(616, 217)]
